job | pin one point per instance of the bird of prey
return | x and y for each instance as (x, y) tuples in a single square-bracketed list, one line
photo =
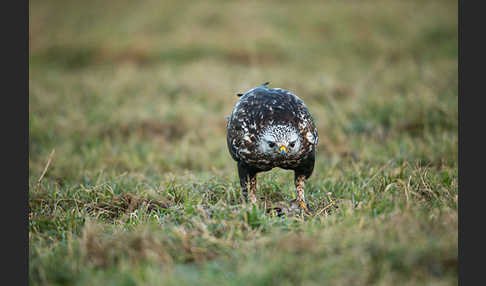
[(268, 128)]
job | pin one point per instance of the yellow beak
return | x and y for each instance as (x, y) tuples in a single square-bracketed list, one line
[(283, 150)]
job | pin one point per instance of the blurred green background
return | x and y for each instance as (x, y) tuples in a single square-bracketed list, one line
[(132, 96)]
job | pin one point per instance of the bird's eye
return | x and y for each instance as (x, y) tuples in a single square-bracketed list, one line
[(271, 144), (292, 144)]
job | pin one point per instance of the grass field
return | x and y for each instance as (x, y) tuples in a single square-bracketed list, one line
[(130, 179)]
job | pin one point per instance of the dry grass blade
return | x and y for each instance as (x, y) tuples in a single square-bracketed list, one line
[(49, 160), (124, 203), (332, 203)]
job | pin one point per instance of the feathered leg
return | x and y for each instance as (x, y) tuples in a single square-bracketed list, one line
[(247, 181), (299, 189)]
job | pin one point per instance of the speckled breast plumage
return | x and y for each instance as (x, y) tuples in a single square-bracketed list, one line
[(262, 107)]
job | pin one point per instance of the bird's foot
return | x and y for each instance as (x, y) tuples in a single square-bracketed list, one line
[(305, 207), (296, 206)]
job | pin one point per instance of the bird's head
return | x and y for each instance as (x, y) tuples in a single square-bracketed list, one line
[(279, 141)]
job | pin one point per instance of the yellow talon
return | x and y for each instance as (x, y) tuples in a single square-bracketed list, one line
[(305, 208)]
